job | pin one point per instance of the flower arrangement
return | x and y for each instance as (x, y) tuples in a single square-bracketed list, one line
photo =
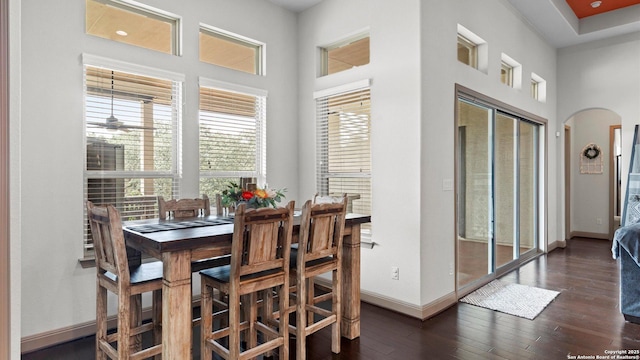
[(235, 195)]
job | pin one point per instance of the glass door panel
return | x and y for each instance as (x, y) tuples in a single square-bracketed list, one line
[(528, 175), (505, 191), (475, 203)]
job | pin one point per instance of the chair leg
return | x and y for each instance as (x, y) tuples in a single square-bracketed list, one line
[(301, 319), (156, 307), (125, 321), (283, 295), (206, 320), (101, 321), (337, 309), (234, 325), (135, 309), (310, 299), (252, 316)]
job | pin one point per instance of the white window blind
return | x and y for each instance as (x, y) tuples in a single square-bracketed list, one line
[(131, 128), (232, 137), (344, 148)]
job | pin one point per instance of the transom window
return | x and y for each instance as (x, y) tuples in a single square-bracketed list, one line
[(467, 52), (131, 127), (232, 51), (134, 24), (506, 74), (232, 135), (345, 55)]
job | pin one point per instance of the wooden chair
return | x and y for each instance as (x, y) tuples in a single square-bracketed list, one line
[(183, 208), (115, 275), (319, 251), (260, 254)]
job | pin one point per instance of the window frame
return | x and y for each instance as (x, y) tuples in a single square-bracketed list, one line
[(174, 172)]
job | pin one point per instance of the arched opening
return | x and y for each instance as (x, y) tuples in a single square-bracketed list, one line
[(592, 177)]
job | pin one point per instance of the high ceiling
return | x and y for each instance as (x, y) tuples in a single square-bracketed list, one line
[(556, 20)]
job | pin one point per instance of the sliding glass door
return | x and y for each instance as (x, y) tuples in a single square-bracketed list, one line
[(497, 189)]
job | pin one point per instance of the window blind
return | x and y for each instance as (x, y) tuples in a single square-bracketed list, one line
[(344, 148), (232, 137), (131, 128)]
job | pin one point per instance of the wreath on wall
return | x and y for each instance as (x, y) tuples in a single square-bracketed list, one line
[(590, 160), (591, 152)]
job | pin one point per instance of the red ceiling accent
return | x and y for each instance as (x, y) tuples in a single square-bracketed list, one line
[(582, 8)]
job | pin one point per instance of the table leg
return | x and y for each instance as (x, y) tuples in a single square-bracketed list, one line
[(350, 325), (176, 306)]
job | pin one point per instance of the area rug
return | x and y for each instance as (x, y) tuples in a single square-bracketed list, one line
[(515, 299)]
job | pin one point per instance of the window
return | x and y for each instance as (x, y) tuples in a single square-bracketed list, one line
[(510, 72), (506, 74), (232, 51), (472, 50), (538, 88), (344, 148), (534, 89), (131, 127), (232, 135), (467, 52), (345, 55), (133, 23)]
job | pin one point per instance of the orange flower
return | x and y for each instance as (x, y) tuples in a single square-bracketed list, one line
[(261, 193)]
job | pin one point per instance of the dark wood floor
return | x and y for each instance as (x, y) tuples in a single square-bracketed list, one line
[(583, 320)]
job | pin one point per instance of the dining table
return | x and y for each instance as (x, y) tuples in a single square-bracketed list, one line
[(180, 242)]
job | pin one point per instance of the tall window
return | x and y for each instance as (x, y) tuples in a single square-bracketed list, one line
[(131, 126), (344, 148), (232, 135)]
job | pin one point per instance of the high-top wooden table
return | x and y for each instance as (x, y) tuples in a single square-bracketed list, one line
[(177, 247)]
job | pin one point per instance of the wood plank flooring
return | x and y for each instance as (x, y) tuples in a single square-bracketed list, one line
[(583, 320)]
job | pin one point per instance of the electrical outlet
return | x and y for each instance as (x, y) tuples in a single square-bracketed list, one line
[(450, 268), (395, 273), (599, 221)]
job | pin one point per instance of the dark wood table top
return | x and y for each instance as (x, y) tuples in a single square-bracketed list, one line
[(188, 235)]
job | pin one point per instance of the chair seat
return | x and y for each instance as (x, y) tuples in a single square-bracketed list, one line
[(222, 274), (146, 272)]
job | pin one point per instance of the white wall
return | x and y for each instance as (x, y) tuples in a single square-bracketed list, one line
[(14, 173), (505, 31), (590, 192), (394, 71), (50, 155), (604, 75)]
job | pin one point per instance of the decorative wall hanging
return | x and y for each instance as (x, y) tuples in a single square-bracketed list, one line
[(591, 159)]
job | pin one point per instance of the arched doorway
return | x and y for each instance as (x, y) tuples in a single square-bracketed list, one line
[(590, 184)]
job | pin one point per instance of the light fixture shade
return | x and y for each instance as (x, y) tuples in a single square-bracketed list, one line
[(596, 4)]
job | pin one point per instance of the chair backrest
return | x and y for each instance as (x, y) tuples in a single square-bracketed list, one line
[(261, 240), (108, 241), (183, 208), (222, 210), (321, 228)]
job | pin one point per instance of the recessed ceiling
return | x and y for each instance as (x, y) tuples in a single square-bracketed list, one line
[(585, 8)]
